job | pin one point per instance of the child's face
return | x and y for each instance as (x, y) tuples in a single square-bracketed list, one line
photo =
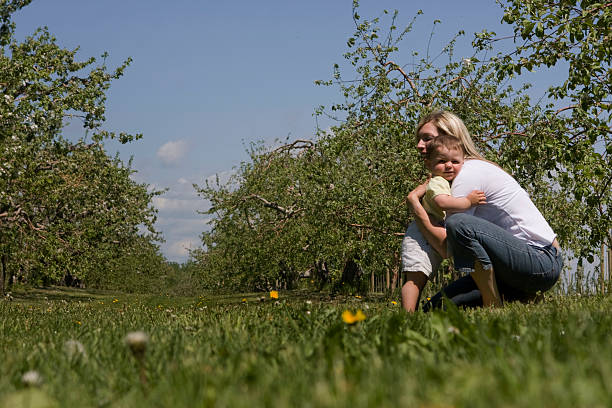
[(445, 163)]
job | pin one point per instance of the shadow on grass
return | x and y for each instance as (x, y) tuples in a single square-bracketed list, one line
[(29, 295), (56, 293)]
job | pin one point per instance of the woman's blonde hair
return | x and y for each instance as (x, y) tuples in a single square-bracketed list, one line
[(450, 124)]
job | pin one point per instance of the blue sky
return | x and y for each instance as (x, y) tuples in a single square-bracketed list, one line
[(209, 77)]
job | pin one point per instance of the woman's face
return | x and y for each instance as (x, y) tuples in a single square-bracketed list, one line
[(426, 134)]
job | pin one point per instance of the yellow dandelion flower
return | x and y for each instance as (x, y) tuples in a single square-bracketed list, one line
[(274, 294), (358, 297), (349, 318), (115, 300), (393, 302), (428, 298), (243, 299), (77, 322)]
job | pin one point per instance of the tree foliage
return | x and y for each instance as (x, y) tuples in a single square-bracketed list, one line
[(341, 197), (65, 206), (578, 150)]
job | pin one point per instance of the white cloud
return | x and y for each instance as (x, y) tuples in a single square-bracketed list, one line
[(177, 204), (223, 177), (179, 217), (180, 249), (172, 152)]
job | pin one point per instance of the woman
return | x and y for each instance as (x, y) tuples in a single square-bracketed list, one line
[(424, 242), (506, 245)]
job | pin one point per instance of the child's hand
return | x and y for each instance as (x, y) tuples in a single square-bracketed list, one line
[(477, 197)]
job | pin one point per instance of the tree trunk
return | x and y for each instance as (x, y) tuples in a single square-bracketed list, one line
[(3, 273), (396, 268), (609, 264), (388, 280), (602, 270)]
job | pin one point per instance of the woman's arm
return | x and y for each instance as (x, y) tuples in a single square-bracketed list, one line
[(434, 234)]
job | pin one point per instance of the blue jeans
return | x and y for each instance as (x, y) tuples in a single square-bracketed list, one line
[(521, 269)]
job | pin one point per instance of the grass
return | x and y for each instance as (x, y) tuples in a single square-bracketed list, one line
[(297, 351)]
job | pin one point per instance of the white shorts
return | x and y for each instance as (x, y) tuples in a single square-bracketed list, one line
[(417, 254)]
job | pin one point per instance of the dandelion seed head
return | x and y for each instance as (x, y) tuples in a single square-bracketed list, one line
[(137, 341), (32, 378), (74, 349)]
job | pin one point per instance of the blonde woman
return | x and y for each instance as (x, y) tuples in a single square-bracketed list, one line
[(505, 245)]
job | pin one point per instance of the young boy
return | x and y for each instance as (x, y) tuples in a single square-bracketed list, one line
[(444, 158)]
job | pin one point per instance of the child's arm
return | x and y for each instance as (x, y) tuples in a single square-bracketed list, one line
[(449, 203)]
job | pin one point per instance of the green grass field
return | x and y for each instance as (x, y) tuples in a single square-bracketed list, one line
[(298, 351)]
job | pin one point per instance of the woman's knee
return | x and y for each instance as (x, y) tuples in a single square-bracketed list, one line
[(458, 224)]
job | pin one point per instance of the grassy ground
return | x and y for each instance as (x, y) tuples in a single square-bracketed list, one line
[(237, 351)]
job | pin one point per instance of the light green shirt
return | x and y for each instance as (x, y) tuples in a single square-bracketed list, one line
[(437, 185)]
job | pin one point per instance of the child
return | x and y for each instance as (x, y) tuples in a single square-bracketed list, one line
[(444, 158)]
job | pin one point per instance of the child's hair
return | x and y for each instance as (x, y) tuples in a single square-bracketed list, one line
[(447, 141)]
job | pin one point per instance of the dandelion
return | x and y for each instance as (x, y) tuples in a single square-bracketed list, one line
[(74, 349), (115, 300), (137, 342), (32, 378), (428, 298), (393, 302), (243, 300), (349, 318), (358, 297), (453, 330), (274, 294), (78, 322)]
